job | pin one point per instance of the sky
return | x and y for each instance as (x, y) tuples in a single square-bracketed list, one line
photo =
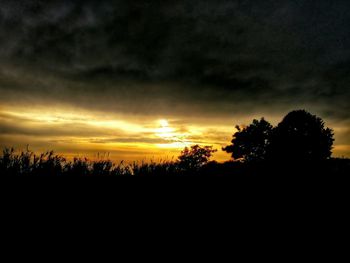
[(143, 79)]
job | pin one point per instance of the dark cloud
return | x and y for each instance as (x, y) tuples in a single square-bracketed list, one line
[(207, 57), (14, 125)]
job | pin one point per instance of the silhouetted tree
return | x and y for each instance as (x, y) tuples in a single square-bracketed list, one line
[(301, 136), (251, 143), (195, 157)]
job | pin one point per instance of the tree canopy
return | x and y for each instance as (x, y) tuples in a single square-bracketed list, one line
[(250, 143), (300, 136), (195, 157)]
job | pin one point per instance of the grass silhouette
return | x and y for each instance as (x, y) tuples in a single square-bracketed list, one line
[(27, 163)]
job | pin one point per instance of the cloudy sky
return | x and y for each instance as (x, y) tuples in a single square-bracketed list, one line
[(143, 79)]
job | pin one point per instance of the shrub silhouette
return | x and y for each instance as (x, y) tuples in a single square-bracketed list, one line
[(192, 159), (301, 136), (251, 143)]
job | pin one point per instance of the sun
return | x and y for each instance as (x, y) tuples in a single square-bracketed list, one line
[(165, 131), (164, 123), (171, 136), (173, 139)]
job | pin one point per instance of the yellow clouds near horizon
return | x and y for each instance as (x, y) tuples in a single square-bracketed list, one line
[(72, 132)]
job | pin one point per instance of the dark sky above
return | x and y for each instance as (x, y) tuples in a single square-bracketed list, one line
[(209, 57)]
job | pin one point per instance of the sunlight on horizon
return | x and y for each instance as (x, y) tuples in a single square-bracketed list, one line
[(74, 132), (88, 133)]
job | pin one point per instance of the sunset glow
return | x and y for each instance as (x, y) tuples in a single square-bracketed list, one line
[(78, 133), (85, 78), (88, 133)]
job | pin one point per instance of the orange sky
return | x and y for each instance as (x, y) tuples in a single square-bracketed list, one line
[(120, 137), (80, 133)]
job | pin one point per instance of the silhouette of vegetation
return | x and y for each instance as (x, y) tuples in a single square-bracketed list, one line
[(28, 163), (299, 144), (301, 136), (192, 159), (251, 143)]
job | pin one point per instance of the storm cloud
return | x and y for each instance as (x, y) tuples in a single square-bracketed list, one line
[(211, 58)]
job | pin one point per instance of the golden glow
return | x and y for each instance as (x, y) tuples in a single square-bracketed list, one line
[(164, 131), (74, 132), (164, 123)]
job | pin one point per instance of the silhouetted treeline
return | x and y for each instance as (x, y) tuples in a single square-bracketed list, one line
[(300, 144), (49, 164), (300, 136)]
